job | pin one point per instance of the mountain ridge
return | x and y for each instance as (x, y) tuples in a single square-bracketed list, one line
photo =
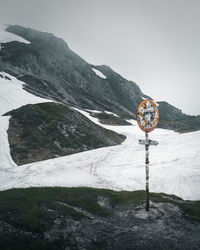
[(52, 70)]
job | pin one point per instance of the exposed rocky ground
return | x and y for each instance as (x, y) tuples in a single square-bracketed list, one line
[(84, 218), (173, 118), (48, 130)]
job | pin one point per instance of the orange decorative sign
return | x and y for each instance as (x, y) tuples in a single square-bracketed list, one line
[(147, 115)]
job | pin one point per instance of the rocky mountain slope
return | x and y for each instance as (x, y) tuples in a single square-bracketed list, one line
[(88, 218), (173, 118), (43, 131), (84, 218), (52, 70), (48, 130)]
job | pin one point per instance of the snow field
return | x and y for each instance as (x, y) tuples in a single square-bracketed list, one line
[(174, 163)]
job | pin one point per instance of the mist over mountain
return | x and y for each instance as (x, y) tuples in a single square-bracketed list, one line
[(51, 70)]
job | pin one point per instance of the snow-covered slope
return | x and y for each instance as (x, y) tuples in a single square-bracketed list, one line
[(6, 36), (12, 96), (174, 168)]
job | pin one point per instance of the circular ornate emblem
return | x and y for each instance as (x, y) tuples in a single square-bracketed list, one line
[(147, 115)]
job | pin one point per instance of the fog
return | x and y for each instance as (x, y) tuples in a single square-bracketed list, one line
[(152, 42)]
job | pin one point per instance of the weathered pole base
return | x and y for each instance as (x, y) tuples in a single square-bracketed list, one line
[(147, 199)]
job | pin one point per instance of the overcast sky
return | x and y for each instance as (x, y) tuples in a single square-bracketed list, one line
[(155, 43)]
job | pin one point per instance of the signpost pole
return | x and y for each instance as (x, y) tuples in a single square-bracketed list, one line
[(147, 119), (147, 169)]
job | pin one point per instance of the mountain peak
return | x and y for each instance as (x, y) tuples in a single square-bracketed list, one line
[(39, 38)]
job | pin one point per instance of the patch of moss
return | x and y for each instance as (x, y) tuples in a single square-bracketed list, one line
[(36, 208)]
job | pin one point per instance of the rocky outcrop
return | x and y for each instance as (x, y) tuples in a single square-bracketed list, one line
[(85, 218), (173, 118), (48, 130)]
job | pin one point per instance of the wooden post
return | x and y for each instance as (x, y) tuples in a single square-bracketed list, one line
[(147, 169)]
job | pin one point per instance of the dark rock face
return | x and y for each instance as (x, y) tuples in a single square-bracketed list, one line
[(47, 130), (173, 118), (48, 63), (85, 218), (131, 227)]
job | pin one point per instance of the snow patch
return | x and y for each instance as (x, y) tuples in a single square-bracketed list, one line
[(6, 160), (98, 111), (110, 113), (156, 103), (99, 73), (6, 36), (143, 97), (12, 94), (93, 111)]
